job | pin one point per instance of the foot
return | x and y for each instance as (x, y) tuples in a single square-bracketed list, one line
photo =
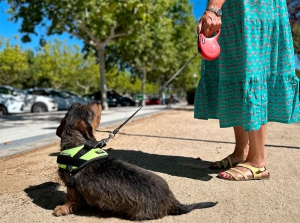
[(245, 171), (61, 210), (228, 162)]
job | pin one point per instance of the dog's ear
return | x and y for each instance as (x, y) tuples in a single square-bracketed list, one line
[(61, 128), (85, 128), (75, 105)]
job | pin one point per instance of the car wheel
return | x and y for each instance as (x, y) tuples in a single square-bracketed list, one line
[(3, 110), (119, 105), (39, 107)]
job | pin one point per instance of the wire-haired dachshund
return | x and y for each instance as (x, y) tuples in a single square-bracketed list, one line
[(110, 184)]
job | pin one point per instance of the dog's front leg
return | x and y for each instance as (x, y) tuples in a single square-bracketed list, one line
[(70, 206)]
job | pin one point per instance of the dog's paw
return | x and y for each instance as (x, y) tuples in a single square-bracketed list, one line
[(61, 210)]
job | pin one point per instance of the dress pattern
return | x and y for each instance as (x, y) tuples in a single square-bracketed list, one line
[(253, 81)]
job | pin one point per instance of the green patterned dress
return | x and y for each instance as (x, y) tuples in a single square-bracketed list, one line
[(253, 81)]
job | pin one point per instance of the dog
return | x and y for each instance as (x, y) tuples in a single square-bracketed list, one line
[(111, 184)]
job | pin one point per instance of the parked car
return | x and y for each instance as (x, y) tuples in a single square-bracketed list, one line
[(30, 103), (64, 99), (10, 104), (171, 100), (114, 99), (153, 101)]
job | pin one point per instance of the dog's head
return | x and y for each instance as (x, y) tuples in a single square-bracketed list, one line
[(84, 118)]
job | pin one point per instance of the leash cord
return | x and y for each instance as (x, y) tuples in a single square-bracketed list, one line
[(102, 142), (178, 72)]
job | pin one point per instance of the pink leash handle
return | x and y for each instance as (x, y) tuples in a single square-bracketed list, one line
[(209, 48)]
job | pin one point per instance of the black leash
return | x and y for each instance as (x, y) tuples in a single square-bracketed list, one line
[(178, 72), (102, 142)]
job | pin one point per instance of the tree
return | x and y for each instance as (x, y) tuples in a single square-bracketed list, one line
[(184, 38), (96, 22), (13, 66), (125, 83), (62, 66), (163, 43)]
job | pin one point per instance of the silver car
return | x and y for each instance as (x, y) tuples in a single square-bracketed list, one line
[(64, 99), (15, 101)]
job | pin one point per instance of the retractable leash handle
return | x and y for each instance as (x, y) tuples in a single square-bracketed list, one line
[(209, 48)]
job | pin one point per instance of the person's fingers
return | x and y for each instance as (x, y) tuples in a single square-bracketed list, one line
[(211, 26)]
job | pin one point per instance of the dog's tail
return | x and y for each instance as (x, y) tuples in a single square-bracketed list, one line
[(186, 208)]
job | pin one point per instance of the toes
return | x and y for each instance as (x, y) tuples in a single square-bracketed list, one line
[(225, 175), (61, 210)]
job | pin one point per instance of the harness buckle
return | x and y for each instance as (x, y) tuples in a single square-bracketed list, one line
[(69, 176)]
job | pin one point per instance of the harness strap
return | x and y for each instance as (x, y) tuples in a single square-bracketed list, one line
[(73, 161)]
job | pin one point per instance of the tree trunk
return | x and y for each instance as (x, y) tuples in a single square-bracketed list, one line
[(100, 52), (144, 86)]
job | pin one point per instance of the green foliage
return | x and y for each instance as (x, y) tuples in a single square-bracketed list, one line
[(62, 67), (123, 82), (158, 37), (296, 37), (13, 66), (165, 42)]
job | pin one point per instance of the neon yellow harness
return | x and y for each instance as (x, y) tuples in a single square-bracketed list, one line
[(89, 156), (70, 161)]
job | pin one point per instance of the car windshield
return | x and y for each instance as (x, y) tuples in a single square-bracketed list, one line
[(11, 91), (71, 93), (59, 94)]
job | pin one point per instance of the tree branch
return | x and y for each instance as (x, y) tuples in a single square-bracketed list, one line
[(88, 32), (87, 41), (112, 34)]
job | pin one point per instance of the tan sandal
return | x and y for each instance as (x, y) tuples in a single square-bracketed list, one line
[(222, 164), (256, 173)]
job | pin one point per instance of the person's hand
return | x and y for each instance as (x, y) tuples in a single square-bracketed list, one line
[(210, 23)]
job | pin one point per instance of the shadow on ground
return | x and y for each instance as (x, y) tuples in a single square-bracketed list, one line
[(46, 195), (179, 166)]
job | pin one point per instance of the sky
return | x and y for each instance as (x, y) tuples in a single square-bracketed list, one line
[(9, 29)]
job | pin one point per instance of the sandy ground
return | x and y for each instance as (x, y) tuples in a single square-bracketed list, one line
[(167, 144)]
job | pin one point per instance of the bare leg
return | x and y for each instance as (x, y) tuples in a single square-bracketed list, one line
[(241, 143), (256, 155), (241, 146)]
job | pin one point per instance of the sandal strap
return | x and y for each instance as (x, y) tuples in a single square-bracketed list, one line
[(257, 172), (232, 174), (222, 163), (229, 161), (240, 172)]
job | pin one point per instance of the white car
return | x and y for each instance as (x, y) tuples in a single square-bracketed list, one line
[(9, 104), (31, 103)]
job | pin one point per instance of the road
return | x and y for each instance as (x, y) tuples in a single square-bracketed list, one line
[(26, 131)]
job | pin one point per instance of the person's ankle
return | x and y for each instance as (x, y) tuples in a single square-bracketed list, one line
[(256, 163), (239, 156)]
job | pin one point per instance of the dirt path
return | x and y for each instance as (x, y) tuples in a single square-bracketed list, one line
[(167, 144)]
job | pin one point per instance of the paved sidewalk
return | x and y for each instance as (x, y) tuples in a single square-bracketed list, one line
[(167, 143)]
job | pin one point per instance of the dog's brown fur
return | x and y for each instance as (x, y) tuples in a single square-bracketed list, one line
[(111, 184)]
